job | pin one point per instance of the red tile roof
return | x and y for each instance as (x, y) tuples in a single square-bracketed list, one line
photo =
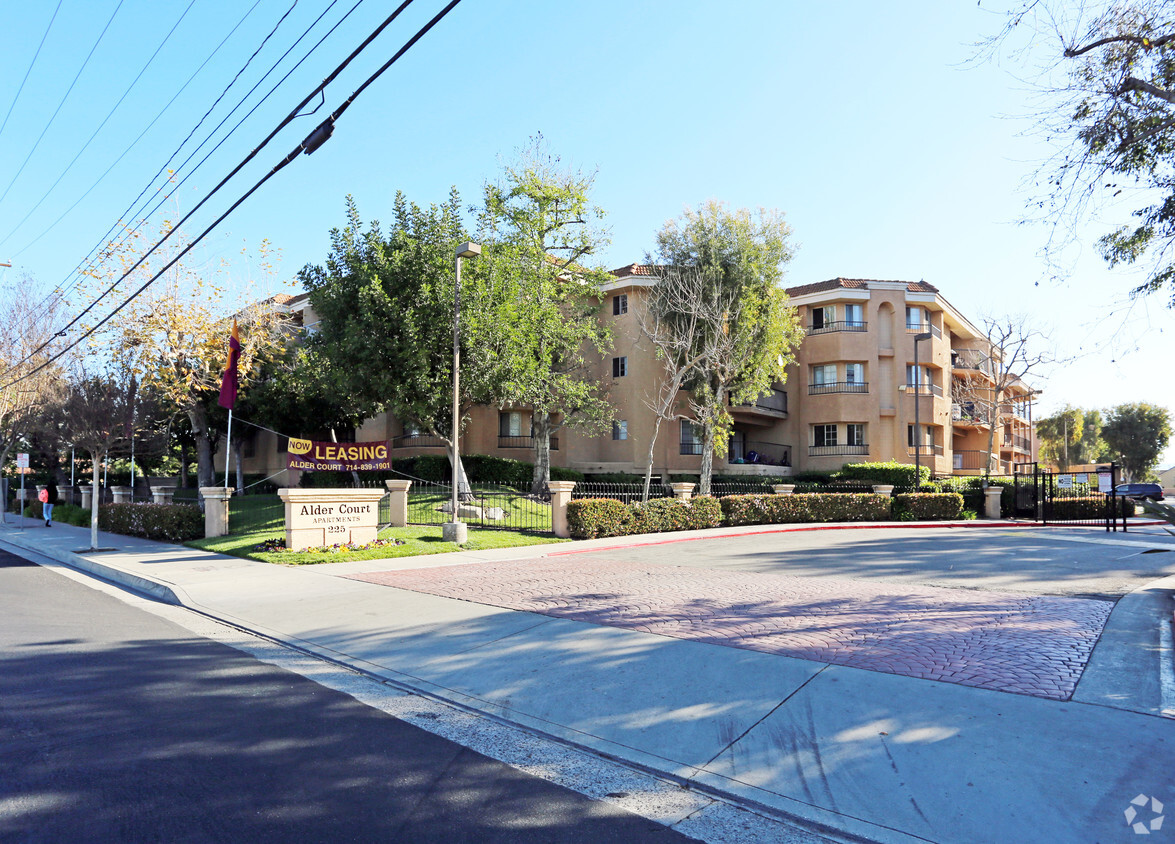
[(634, 269), (856, 284)]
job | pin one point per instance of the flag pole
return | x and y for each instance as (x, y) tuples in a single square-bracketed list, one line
[(228, 446)]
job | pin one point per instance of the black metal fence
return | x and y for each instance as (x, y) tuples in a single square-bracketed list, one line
[(628, 493), (494, 506)]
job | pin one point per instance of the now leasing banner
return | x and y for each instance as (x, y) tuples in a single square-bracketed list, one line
[(310, 456)]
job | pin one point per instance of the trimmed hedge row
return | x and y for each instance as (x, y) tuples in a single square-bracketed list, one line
[(805, 507), (161, 522), (591, 518), (927, 507)]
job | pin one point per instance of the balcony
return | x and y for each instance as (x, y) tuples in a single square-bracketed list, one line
[(524, 442), (923, 328), (922, 390), (418, 441), (836, 450), (838, 325), (971, 360), (971, 460), (968, 414), (691, 447), (927, 450), (772, 403), (838, 387), (757, 452)]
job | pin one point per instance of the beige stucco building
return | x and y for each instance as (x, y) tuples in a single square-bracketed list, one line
[(888, 370)]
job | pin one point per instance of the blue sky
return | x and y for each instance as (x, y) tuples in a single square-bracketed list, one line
[(893, 155)]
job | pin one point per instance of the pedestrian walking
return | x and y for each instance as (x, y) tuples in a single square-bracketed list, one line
[(48, 499)]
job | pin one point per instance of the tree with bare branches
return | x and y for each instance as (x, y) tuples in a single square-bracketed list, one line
[(97, 414), (29, 385), (1016, 351), (744, 348), (672, 317), (1108, 82)]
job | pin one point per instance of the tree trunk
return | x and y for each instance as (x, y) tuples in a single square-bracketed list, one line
[(4, 503), (205, 471), (707, 458), (183, 484), (96, 457), (541, 432), (649, 467)]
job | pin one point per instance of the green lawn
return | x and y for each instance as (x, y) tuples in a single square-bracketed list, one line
[(418, 539)]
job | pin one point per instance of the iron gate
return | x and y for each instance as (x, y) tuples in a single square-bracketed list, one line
[(1070, 498)]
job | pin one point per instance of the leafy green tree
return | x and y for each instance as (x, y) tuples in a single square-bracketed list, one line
[(1136, 435), (743, 348), (385, 332), (541, 236), (1060, 437), (1109, 80)]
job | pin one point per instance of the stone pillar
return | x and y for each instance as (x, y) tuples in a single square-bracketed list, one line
[(784, 489), (321, 517), (883, 489), (87, 491), (399, 503), (216, 500), (560, 498), (65, 494), (683, 491), (122, 494), (991, 502), (162, 494)]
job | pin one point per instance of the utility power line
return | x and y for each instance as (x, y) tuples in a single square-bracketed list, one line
[(309, 145)]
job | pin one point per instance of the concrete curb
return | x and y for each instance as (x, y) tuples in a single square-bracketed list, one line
[(167, 593)]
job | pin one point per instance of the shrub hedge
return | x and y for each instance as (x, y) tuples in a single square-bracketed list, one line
[(161, 522), (900, 475), (805, 507), (927, 507), (590, 518), (1084, 507)]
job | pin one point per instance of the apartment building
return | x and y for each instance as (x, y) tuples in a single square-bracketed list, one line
[(888, 370)]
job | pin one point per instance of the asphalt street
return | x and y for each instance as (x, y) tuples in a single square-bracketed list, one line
[(116, 725), (1077, 563)]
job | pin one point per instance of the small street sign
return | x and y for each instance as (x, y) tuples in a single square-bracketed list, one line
[(22, 460)]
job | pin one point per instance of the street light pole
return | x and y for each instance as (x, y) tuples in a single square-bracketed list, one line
[(917, 416), (455, 530)]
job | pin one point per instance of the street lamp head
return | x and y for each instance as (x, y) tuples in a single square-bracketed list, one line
[(468, 250), (923, 336)]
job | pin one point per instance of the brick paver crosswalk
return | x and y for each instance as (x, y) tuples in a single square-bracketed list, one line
[(1035, 645)]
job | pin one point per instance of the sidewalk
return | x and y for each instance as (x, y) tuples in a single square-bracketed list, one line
[(881, 756)]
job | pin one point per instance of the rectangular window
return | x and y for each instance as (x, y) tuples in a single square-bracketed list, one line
[(620, 304), (912, 435), (917, 319), (510, 424), (824, 374), (917, 376), (691, 437), (854, 315), (823, 435), (823, 316), (854, 374), (620, 429), (619, 367), (855, 434)]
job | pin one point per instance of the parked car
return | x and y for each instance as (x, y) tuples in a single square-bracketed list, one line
[(1139, 491)]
